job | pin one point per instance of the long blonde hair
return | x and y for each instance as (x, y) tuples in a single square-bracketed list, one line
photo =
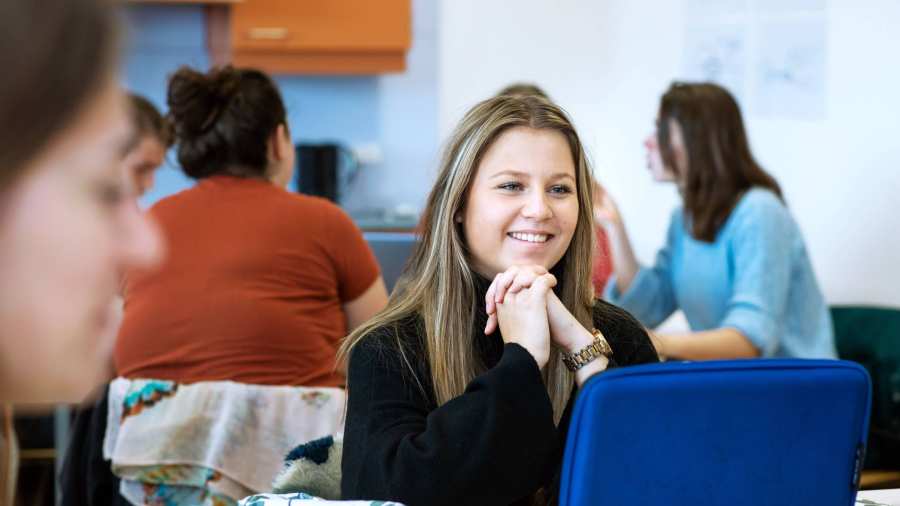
[(438, 283)]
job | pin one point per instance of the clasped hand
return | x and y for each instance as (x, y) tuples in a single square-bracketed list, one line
[(522, 303)]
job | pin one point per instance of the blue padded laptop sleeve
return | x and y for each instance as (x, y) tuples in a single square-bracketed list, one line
[(742, 432)]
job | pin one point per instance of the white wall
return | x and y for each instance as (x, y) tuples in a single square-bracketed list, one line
[(407, 106), (607, 61)]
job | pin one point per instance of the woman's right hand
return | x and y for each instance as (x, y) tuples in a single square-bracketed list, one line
[(522, 317), (512, 280)]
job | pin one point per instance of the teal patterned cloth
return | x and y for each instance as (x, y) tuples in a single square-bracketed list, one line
[(295, 498)]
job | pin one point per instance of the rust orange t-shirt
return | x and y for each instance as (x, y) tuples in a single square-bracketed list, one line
[(252, 288)]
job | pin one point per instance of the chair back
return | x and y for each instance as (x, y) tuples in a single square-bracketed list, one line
[(740, 432), (870, 336)]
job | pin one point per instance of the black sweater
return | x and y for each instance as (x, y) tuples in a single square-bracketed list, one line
[(496, 444)]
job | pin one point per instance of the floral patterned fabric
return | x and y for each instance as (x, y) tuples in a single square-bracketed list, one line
[(209, 443)]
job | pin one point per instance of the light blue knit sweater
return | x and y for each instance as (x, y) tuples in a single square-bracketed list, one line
[(756, 277)]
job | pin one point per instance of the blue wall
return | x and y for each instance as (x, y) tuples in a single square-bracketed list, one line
[(396, 112)]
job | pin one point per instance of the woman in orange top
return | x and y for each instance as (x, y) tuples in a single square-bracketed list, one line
[(260, 284)]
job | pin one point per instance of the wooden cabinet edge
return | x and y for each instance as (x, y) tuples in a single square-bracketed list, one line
[(183, 2), (320, 63)]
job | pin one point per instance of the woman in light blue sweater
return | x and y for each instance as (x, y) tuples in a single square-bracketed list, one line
[(734, 259)]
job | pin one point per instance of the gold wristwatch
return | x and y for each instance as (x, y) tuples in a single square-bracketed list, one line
[(587, 354)]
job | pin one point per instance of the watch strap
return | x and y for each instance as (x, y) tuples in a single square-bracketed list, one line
[(599, 346)]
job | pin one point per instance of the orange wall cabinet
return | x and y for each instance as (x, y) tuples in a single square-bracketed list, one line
[(312, 36)]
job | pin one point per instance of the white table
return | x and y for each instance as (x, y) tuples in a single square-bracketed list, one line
[(889, 497)]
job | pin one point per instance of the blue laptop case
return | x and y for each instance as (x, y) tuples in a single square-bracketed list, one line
[(742, 432)]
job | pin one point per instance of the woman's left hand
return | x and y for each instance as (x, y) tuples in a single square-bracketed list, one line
[(566, 331)]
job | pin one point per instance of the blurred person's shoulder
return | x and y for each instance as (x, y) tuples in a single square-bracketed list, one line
[(309, 202), (174, 203), (762, 200), (313, 208), (760, 207)]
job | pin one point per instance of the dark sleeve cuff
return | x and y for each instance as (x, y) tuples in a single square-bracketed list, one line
[(518, 384), (516, 356)]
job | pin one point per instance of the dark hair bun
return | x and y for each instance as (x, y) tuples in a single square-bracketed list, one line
[(197, 100), (223, 120)]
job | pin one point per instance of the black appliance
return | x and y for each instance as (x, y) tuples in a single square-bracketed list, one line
[(321, 168)]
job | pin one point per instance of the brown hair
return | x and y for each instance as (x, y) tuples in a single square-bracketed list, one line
[(526, 89), (55, 52), (438, 283), (147, 120), (223, 120), (720, 166)]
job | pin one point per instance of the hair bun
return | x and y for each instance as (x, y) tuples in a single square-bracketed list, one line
[(223, 120), (197, 100), (224, 83)]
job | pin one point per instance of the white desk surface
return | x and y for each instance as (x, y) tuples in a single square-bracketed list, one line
[(889, 497)]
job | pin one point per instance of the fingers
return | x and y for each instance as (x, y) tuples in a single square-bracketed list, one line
[(524, 278), (516, 278), (491, 324), (489, 305), (503, 281), (511, 281), (490, 302), (543, 283)]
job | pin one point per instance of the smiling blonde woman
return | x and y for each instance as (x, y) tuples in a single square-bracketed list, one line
[(458, 391)]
